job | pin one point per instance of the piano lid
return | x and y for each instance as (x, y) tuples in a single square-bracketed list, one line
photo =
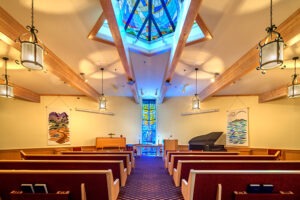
[(207, 139)]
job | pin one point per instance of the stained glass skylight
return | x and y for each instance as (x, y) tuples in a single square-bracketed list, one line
[(150, 26), (149, 19)]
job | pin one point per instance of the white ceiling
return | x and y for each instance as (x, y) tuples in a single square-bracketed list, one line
[(236, 27)]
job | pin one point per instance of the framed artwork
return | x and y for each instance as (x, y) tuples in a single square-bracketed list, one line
[(58, 128), (237, 128)]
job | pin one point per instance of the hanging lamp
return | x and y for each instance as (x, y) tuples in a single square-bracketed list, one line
[(271, 48), (195, 99), (294, 89), (5, 89), (32, 51), (102, 99)]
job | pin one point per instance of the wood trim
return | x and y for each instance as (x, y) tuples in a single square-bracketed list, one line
[(13, 29), (288, 29), (273, 95), (114, 29)]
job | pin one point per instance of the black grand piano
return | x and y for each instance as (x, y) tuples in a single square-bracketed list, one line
[(213, 141)]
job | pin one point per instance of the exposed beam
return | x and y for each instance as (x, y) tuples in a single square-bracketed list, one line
[(13, 29), (203, 27), (289, 29), (278, 93), (93, 33), (114, 29), (24, 94), (186, 28)]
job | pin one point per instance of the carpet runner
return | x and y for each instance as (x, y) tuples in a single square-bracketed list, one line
[(150, 181)]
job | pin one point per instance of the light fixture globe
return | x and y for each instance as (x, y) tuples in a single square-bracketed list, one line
[(195, 102), (271, 49), (294, 89), (6, 90), (32, 51), (102, 102), (271, 53)]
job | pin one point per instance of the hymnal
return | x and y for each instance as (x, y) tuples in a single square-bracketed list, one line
[(254, 188), (27, 188), (40, 188)]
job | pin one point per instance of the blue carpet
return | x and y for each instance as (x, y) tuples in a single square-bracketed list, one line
[(150, 181)]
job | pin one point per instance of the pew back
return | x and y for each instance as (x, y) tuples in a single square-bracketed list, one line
[(124, 158), (98, 183), (130, 153), (184, 166), (203, 183), (116, 166), (175, 158), (189, 152)]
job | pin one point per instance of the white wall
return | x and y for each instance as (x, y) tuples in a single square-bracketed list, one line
[(271, 125), (24, 124)]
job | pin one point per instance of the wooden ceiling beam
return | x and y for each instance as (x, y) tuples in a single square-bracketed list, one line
[(12, 29), (23, 93), (289, 29), (176, 54), (278, 93), (122, 51)]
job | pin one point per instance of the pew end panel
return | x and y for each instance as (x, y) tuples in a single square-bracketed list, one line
[(203, 184)]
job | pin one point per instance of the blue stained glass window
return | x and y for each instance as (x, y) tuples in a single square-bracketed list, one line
[(148, 121), (149, 19)]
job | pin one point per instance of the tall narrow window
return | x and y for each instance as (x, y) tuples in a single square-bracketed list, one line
[(149, 121)]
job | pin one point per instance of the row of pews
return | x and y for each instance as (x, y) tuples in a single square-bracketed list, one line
[(72, 175), (230, 176)]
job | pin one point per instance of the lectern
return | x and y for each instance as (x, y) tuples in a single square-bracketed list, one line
[(170, 144)]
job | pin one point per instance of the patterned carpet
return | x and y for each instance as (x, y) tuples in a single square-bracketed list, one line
[(150, 181)]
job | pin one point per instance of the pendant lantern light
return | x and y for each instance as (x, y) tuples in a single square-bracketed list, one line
[(32, 51), (195, 99), (294, 89), (271, 48), (102, 99), (6, 90)]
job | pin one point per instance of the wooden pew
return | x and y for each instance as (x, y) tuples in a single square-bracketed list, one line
[(130, 153), (175, 158), (116, 166), (170, 153), (228, 184), (124, 158), (184, 166), (98, 184)]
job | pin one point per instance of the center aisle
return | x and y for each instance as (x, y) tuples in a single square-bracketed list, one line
[(150, 181)]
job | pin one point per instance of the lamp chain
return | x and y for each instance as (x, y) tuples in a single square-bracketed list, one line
[(271, 14), (295, 72), (5, 70), (102, 80), (196, 81), (32, 17)]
